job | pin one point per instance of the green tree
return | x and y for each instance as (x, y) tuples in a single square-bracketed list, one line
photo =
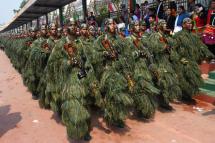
[(23, 3), (117, 4)]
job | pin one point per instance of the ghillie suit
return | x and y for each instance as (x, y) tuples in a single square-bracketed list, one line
[(43, 88), (26, 72), (164, 75), (141, 86), (186, 65), (75, 113), (113, 84), (15, 46), (53, 78), (21, 53), (192, 47), (36, 63), (91, 82)]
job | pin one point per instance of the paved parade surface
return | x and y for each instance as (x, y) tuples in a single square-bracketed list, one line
[(22, 121)]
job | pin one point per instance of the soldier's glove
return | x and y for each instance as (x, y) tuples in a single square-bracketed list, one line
[(184, 61), (81, 74), (74, 62), (142, 54), (107, 55)]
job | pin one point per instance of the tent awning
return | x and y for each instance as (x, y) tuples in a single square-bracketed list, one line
[(33, 10)]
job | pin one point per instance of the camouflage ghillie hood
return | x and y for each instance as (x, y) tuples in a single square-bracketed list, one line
[(191, 46)]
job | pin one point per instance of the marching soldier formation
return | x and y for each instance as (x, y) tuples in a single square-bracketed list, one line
[(75, 70)]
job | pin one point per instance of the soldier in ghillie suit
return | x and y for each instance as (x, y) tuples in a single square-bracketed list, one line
[(75, 112), (22, 52), (53, 37), (37, 60), (46, 86), (186, 66), (164, 75), (190, 45), (113, 84), (86, 43), (26, 53), (139, 79)]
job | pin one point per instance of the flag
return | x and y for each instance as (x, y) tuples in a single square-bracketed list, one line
[(111, 7), (132, 4)]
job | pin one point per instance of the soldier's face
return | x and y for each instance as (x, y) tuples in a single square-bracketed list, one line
[(163, 26), (70, 51), (43, 32), (92, 32), (39, 34), (188, 25), (111, 27), (77, 31), (143, 27), (65, 32), (73, 27), (53, 31), (33, 34), (137, 28), (84, 30)]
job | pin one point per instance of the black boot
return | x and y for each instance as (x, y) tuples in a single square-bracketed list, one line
[(87, 137), (35, 97)]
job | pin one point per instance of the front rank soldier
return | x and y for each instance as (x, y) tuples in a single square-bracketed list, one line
[(53, 38), (75, 111), (143, 90), (108, 70), (23, 52), (37, 61), (86, 43), (190, 51), (48, 85), (164, 75)]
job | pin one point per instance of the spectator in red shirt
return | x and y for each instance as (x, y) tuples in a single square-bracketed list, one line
[(199, 17)]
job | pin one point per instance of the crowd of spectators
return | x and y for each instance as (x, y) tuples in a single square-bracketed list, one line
[(174, 14)]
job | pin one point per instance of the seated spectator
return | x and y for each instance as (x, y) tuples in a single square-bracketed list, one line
[(137, 11), (191, 6), (182, 14), (170, 20), (144, 9), (211, 14), (124, 14), (151, 11), (133, 17), (173, 7), (92, 20), (152, 21), (199, 17), (91, 17), (160, 10)]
